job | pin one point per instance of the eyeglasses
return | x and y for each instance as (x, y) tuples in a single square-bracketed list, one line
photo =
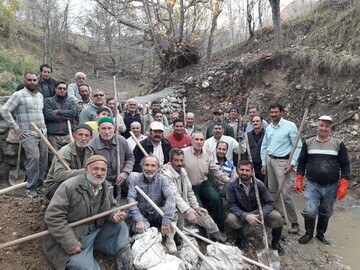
[(98, 95), (61, 88)]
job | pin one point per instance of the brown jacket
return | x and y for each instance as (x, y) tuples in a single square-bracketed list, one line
[(71, 203)]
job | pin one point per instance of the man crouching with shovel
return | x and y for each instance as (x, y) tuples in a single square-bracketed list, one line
[(243, 207)]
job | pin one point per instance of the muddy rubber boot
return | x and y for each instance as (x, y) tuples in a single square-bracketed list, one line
[(124, 259), (275, 241), (309, 231), (321, 229), (170, 242)]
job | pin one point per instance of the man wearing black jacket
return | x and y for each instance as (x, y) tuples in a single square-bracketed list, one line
[(155, 144), (46, 84)]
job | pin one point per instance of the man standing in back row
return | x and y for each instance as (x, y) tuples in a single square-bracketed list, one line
[(324, 159), (28, 104), (277, 143)]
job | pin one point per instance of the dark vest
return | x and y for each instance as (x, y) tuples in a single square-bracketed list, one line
[(128, 119)]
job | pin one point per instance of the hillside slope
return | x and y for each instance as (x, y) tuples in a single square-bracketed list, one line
[(307, 74)]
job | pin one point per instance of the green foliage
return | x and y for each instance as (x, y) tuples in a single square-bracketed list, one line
[(13, 65)]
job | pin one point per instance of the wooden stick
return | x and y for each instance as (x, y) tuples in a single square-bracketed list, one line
[(242, 256), (138, 144), (14, 187), (52, 149), (176, 228), (70, 131), (301, 128), (246, 113), (73, 224), (184, 110), (261, 213), (145, 109), (117, 139)]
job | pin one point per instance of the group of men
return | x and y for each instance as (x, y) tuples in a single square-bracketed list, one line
[(184, 172)]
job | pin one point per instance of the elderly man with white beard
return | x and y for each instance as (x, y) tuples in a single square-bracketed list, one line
[(157, 187), (74, 154), (77, 198)]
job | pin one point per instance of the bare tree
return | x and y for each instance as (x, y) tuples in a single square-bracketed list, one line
[(216, 9), (278, 36)]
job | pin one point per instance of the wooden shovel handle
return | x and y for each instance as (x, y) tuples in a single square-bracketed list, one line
[(73, 224), (52, 149), (138, 144)]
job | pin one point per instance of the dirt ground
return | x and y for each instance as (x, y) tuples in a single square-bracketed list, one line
[(22, 216)]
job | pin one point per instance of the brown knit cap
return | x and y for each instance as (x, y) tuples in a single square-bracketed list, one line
[(95, 158)]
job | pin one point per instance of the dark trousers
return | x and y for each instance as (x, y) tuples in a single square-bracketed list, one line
[(208, 197), (258, 174)]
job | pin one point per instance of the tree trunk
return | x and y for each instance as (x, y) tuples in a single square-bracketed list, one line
[(216, 12), (278, 36)]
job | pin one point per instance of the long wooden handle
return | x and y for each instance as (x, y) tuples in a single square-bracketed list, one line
[(14, 187), (301, 128), (242, 257), (261, 213), (73, 224), (52, 149), (117, 138), (183, 236), (138, 144), (70, 130)]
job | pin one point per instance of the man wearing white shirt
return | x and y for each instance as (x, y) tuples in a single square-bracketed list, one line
[(233, 145), (136, 129)]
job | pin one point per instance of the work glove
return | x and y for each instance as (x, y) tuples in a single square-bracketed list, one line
[(342, 189), (299, 183)]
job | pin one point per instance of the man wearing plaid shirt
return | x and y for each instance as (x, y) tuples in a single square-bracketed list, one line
[(28, 104), (157, 187)]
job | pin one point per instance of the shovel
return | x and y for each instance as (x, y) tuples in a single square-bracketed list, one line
[(267, 256), (17, 176)]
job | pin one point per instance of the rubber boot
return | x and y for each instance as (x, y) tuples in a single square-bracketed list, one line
[(321, 229), (275, 241), (170, 242), (124, 259), (309, 231)]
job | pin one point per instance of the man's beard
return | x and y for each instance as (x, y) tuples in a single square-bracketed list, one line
[(149, 175), (94, 181)]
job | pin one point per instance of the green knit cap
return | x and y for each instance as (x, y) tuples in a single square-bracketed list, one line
[(105, 119)]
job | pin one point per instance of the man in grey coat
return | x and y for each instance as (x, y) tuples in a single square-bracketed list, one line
[(105, 145), (77, 198)]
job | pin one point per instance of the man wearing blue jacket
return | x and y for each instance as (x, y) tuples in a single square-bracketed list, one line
[(243, 208)]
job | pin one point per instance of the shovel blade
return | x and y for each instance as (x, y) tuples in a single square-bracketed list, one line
[(16, 177), (269, 257)]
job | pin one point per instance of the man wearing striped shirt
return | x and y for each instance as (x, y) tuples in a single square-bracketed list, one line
[(28, 104)]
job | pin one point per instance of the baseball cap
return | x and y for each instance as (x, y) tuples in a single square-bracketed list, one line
[(157, 126), (218, 111), (326, 118)]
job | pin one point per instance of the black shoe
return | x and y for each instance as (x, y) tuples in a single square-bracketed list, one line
[(322, 239), (305, 239), (240, 243), (218, 237), (278, 247), (178, 240), (294, 228)]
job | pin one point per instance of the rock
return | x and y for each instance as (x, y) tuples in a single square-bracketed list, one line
[(12, 137), (298, 86), (356, 117), (210, 78), (3, 127), (354, 132), (218, 73), (189, 80), (211, 73), (205, 84), (356, 127), (173, 99)]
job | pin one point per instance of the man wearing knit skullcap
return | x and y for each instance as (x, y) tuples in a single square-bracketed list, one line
[(79, 197), (74, 154), (105, 144)]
